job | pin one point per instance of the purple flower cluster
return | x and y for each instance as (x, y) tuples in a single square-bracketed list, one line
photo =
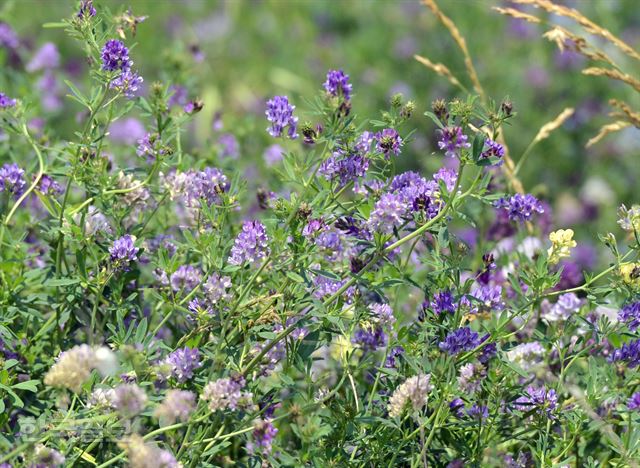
[(324, 287), (150, 147), (123, 252), (337, 84), (264, 432), (87, 9), (183, 363), (48, 186), (216, 288), (452, 140), (280, 113), (115, 56), (628, 352), (370, 337), (344, 166), (388, 141), (520, 207), (539, 398), (633, 404), (251, 245), (127, 83), (185, 278), (487, 298), (493, 149), (630, 314), (460, 340), (443, 302), (478, 412), (12, 179), (6, 101)]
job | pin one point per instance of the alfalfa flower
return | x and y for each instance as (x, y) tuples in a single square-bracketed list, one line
[(177, 406), (73, 367), (226, 393), (413, 393), (251, 245), (561, 244), (629, 218), (143, 455), (280, 113)]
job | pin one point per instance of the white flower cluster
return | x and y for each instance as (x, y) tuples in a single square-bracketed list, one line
[(73, 367), (415, 390)]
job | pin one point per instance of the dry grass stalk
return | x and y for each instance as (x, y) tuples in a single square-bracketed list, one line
[(565, 39), (459, 39), (606, 130), (583, 21), (441, 70), (626, 111), (549, 127), (613, 74), (517, 14)]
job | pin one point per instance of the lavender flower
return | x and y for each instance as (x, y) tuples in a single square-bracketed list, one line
[(251, 244), (226, 393), (456, 406), (478, 412), (520, 207), (388, 141), (567, 305), (48, 186), (183, 363), (216, 288), (6, 101), (123, 252), (382, 314), (370, 337), (471, 377), (487, 299), (452, 140), (630, 314), (337, 84), (115, 56), (633, 404), (185, 278), (324, 287), (12, 179), (264, 432), (8, 37), (345, 167), (280, 113), (127, 83), (129, 399), (177, 406), (448, 176), (462, 339)]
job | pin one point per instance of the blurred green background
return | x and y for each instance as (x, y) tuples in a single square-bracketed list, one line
[(236, 54)]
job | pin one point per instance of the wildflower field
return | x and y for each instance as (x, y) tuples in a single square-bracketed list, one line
[(319, 234)]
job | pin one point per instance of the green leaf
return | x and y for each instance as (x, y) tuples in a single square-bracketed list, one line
[(478, 144), (29, 385)]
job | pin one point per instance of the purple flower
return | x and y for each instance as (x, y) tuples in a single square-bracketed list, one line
[(6, 101), (567, 305), (123, 251), (337, 84), (629, 352), (115, 56), (183, 363), (264, 432), (634, 402), (129, 399), (493, 149), (363, 143), (448, 176), (630, 314), (520, 207), (395, 352), (127, 131), (280, 113), (456, 406), (443, 302), (488, 298), (382, 314), (209, 184), (151, 147), (229, 147), (370, 337), (462, 339), (185, 278), (273, 154), (216, 288), (478, 412), (12, 179), (324, 287), (46, 57), (198, 308), (388, 213), (388, 141), (251, 244), (8, 37), (48, 186), (127, 83), (452, 140), (345, 167), (538, 398), (87, 9), (177, 406)]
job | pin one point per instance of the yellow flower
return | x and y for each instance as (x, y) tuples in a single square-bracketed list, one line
[(630, 273), (341, 347), (561, 244)]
